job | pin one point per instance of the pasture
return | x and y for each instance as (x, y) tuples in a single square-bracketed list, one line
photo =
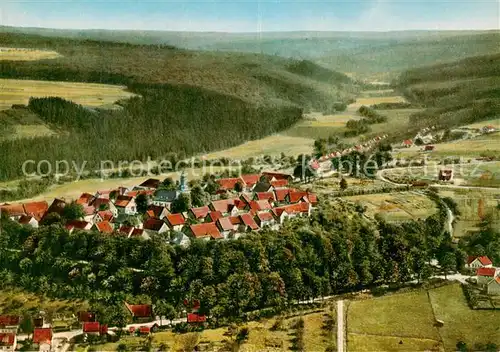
[(381, 323), (15, 91), (299, 138), (401, 206), (22, 54)]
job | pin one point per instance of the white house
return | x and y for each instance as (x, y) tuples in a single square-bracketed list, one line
[(8, 340), (28, 220), (474, 262), (126, 205)]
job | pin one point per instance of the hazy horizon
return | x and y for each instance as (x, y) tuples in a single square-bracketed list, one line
[(254, 16)]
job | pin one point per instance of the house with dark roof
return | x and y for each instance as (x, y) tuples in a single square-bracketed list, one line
[(154, 226), (149, 184), (445, 175), (126, 230), (140, 312), (156, 211), (28, 220), (164, 198), (262, 187)]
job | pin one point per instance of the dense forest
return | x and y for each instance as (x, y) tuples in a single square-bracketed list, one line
[(460, 92), (337, 250), (187, 102)]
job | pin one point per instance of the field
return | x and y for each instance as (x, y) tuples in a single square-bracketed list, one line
[(299, 138), (20, 54), (19, 302), (15, 91), (262, 337), (381, 323), (472, 203), (399, 206)]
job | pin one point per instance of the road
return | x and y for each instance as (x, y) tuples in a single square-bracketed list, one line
[(340, 326)]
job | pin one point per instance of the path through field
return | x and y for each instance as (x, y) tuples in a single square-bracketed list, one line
[(340, 326)]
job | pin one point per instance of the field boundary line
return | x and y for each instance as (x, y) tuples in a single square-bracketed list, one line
[(435, 318), (389, 335)]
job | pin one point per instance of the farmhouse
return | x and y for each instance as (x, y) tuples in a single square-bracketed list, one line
[(149, 184), (9, 321), (225, 226), (92, 328), (158, 212), (78, 225), (229, 184), (103, 215), (13, 211), (103, 227), (250, 181), (204, 231), (474, 262), (102, 204), (199, 213), (274, 176)]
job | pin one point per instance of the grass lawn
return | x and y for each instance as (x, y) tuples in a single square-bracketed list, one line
[(461, 322), (370, 343), (20, 54), (400, 315), (17, 301), (399, 206), (15, 91)]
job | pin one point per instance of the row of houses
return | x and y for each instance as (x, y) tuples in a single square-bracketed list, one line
[(323, 164), (251, 202)]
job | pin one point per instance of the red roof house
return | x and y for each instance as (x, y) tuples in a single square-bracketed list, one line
[(475, 262), (9, 320), (91, 327), (140, 311), (269, 196), (104, 227), (213, 216), (272, 176), (489, 272), (205, 230), (151, 183), (195, 318), (85, 199), (199, 212), (42, 336), (258, 205), (222, 205), (249, 222), (224, 224), (279, 183), (282, 194), (86, 317), (250, 180), (228, 184), (144, 330), (175, 220), (13, 210), (8, 339), (36, 209)]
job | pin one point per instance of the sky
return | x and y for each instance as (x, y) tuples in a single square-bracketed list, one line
[(253, 15)]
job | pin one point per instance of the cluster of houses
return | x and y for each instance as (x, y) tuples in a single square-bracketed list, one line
[(9, 325), (487, 276), (324, 164), (262, 200)]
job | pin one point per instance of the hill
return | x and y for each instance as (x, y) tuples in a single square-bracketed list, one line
[(187, 101), (362, 54), (460, 92)]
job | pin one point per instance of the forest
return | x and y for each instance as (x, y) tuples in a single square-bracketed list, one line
[(187, 102), (337, 250)]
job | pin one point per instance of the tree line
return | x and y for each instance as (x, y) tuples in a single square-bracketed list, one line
[(336, 250)]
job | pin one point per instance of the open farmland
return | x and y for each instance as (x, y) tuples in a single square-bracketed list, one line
[(381, 323), (21, 54), (17, 91), (399, 206)]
